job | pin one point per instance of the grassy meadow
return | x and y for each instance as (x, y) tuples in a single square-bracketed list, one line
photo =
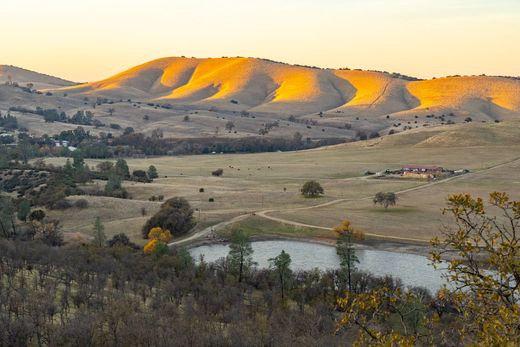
[(253, 183)]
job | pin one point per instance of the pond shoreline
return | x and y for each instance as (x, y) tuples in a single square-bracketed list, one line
[(367, 244), (308, 254)]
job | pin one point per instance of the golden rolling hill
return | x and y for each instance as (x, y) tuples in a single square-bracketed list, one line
[(23, 76), (264, 86)]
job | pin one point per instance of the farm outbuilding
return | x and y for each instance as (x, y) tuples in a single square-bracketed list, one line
[(422, 171)]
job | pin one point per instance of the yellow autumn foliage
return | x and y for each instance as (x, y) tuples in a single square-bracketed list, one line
[(346, 228), (480, 253), (149, 248), (160, 234), (157, 236)]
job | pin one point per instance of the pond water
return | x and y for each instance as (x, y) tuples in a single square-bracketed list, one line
[(413, 270)]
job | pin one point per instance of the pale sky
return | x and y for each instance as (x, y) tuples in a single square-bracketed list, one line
[(86, 40)]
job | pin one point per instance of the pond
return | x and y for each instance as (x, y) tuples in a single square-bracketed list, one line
[(413, 270)]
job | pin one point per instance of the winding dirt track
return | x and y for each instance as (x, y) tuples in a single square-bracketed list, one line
[(206, 231), (265, 213)]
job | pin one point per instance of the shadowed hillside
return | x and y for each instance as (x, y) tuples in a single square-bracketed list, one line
[(23, 76), (460, 135)]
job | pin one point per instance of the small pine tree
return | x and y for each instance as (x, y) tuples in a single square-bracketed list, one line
[(152, 172), (99, 233), (345, 249), (240, 258), (24, 208), (122, 168), (68, 169), (78, 162), (113, 183), (281, 263)]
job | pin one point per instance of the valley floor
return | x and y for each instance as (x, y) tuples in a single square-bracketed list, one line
[(261, 192)]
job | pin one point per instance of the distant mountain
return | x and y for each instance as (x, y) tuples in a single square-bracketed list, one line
[(260, 85), (23, 76)]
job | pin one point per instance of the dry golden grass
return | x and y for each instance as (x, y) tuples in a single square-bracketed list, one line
[(418, 213), (456, 92), (24, 76), (265, 86), (256, 182), (271, 181)]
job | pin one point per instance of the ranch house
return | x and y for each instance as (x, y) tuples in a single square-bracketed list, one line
[(422, 171)]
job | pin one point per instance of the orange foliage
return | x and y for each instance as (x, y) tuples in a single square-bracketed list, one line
[(160, 234), (157, 236), (345, 228), (149, 248)]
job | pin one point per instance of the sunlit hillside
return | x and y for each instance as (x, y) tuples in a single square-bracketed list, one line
[(492, 96), (265, 86)]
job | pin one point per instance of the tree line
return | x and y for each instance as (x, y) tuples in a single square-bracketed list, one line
[(131, 144)]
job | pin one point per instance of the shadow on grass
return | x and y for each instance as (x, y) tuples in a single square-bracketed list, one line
[(257, 226), (313, 196), (393, 210)]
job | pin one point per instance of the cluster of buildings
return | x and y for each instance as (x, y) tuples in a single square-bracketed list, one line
[(64, 144), (420, 171)]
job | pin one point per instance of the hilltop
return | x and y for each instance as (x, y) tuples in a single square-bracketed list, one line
[(24, 76), (259, 85), (191, 97)]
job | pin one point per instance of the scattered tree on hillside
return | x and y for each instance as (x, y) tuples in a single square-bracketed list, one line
[(175, 215), (281, 263), (121, 240), (297, 137), (105, 166), (23, 210), (345, 249), (122, 169), (385, 199), (158, 240), (7, 218), (49, 232), (81, 204), (312, 189), (113, 184), (36, 215), (152, 172), (217, 172), (80, 169), (140, 176), (8, 122), (240, 258), (99, 233), (157, 134), (25, 151), (230, 126)]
